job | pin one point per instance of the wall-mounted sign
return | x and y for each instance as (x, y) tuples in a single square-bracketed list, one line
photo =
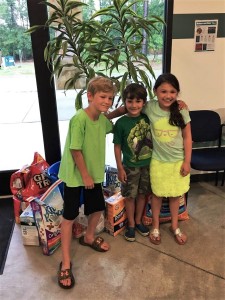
[(205, 35)]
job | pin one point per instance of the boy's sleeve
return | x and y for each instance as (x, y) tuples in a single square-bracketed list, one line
[(117, 133), (109, 126), (76, 133)]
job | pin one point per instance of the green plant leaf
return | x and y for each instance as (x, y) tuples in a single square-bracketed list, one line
[(123, 82), (34, 28), (78, 100)]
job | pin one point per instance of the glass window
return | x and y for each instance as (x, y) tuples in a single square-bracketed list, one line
[(152, 47)]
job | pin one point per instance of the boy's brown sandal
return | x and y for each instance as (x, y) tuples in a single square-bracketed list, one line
[(65, 274), (96, 245)]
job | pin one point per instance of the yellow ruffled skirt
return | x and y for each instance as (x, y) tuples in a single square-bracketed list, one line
[(166, 180)]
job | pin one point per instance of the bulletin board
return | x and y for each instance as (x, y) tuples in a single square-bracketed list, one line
[(205, 35)]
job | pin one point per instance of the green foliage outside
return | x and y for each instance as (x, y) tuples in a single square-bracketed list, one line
[(154, 7), (156, 39), (13, 23)]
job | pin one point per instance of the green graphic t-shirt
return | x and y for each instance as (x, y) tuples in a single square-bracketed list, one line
[(134, 136)]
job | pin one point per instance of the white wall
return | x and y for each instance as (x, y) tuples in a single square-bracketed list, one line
[(198, 6), (201, 74)]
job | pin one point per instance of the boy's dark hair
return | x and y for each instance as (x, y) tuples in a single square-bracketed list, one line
[(134, 90), (176, 117)]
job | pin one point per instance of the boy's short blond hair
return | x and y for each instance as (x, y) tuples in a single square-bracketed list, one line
[(101, 84)]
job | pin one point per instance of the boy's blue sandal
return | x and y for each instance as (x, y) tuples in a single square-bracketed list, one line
[(130, 234), (142, 229), (65, 274), (96, 245)]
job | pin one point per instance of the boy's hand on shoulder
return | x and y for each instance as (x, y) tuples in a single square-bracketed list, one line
[(182, 105), (106, 114), (120, 111)]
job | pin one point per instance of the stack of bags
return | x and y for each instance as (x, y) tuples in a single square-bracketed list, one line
[(38, 205)]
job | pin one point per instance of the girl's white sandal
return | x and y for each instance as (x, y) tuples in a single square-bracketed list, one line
[(179, 237), (155, 236)]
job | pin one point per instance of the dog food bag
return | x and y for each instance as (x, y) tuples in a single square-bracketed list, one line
[(165, 214), (47, 211)]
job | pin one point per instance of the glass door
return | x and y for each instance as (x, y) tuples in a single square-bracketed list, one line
[(20, 126)]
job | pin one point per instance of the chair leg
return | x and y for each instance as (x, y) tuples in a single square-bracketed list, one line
[(217, 175), (223, 178)]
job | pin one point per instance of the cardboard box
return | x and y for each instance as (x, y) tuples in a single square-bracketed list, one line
[(19, 207), (28, 228), (115, 209), (115, 229), (116, 217)]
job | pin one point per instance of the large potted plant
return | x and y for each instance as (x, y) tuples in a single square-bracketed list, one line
[(111, 47)]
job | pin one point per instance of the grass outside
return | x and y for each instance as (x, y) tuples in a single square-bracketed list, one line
[(25, 68)]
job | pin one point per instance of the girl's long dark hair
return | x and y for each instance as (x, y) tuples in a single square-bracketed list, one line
[(176, 117)]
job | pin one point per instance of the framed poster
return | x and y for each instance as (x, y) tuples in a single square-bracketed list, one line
[(205, 35)]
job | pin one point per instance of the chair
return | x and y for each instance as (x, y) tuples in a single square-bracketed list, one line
[(206, 127)]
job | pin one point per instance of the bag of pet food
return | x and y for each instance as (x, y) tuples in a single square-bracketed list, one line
[(111, 183), (47, 211), (165, 215), (30, 180)]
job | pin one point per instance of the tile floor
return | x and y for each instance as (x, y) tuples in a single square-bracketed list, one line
[(138, 270)]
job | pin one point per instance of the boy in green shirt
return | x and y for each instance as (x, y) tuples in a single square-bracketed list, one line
[(82, 169), (133, 150)]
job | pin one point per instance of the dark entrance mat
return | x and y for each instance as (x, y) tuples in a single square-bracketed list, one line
[(7, 223)]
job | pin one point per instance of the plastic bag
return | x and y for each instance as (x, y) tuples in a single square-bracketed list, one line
[(81, 223), (30, 180)]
